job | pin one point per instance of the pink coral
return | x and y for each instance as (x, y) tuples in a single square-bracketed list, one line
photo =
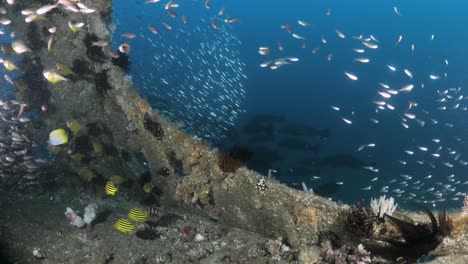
[(70, 215)]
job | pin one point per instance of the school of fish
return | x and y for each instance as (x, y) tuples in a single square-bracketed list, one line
[(398, 101), (197, 75), (189, 84)]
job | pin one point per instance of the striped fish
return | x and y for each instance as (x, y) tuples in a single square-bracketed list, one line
[(111, 189), (123, 225), (154, 211), (138, 215)]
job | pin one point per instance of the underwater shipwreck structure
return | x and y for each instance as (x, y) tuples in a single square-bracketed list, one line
[(111, 127)]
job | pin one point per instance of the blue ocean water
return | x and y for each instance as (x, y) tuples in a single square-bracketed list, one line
[(211, 81)]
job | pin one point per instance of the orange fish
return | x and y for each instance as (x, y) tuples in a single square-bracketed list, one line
[(125, 48)]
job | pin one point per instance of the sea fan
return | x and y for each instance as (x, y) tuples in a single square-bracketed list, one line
[(445, 224), (234, 158)]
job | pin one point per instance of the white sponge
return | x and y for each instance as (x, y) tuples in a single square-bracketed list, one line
[(74, 219), (90, 213)]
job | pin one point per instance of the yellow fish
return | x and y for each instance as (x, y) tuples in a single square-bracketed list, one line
[(111, 189), (147, 187), (76, 156), (117, 180), (97, 147), (6, 49), (33, 18), (86, 174), (74, 126), (64, 69), (123, 225), (19, 47), (9, 65), (138, 215), (53, 77), (75, 26), (58, 137), (50, 43)]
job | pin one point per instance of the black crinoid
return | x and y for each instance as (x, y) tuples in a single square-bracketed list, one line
[(233, 158), (94, 52), (31, 86), (418, 239), (359, 221), (122, 61), (101, 80)]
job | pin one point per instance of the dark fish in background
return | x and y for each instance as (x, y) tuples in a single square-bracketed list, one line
[(265, 153), (264, 158), (262, 124), (260, 166), (314, 148), (326, 189), (267, 119), (259, 128), (261, 138), (304, 131), (340, 160), (298, 144), (303, 172)]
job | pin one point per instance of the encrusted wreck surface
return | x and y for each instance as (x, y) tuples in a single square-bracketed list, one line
[(185, 170)]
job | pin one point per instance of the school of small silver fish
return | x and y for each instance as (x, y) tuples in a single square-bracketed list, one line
[(18, 167), (197, 75), (213, 74), (437, 162)]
